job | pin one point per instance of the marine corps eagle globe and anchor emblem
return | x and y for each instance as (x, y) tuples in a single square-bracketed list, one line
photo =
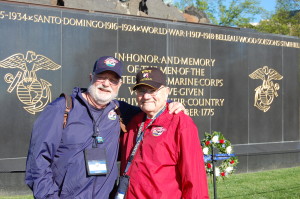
[(33, 92), (265, 93)]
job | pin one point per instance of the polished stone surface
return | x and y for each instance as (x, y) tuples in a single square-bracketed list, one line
[(64, 37)]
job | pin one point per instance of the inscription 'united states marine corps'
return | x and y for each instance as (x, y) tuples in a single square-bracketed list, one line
[(33, 92), (264, 94)]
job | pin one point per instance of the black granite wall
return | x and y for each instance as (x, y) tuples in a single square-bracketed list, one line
[(242, 83)]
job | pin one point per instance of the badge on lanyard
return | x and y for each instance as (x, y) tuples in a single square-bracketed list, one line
[(99, 140), (95, 161)]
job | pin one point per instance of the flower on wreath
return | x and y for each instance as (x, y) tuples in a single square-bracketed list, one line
[(205, 150), (222, 147), (217, 171), (228, 149), (229, 169), (215, 139), (209, 166)]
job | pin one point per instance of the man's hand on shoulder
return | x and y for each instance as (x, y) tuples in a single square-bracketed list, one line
[(176, 107)]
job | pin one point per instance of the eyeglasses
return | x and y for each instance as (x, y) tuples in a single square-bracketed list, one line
[(152, 92), (112, 81)]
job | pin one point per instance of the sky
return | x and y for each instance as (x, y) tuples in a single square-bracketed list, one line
[(269, 5)]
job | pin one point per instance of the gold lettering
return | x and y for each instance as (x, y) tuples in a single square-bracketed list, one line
[(177, 81), (197, 71), (169, 70), (181, 100), (191, 91), (130, 90), (205, 102), (10, 15), (128, 79), (193, 112), (131, 101), (173, 91), (207, 112)]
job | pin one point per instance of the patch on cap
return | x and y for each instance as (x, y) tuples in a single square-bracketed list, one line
[(146, 75), (111, 62)]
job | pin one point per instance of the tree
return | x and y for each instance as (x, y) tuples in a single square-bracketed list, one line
[(237, 13), (286, 19), (182, 4)]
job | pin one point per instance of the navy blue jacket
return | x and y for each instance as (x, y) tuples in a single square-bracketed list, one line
[(55, 166)]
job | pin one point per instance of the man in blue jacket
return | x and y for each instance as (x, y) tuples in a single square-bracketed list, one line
[(79, 161)]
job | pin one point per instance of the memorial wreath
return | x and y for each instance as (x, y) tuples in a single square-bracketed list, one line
[(223, 152)]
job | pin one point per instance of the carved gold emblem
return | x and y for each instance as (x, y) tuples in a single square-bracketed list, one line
[(33, 92), (264, 94)]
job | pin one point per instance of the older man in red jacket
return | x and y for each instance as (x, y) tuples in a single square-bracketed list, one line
[(168, 161)]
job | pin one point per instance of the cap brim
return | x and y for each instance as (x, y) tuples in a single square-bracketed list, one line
[(154, 85), (109, 70)]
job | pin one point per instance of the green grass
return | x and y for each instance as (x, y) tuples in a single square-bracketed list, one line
[(16, 197), (274, 184), (281, 183)]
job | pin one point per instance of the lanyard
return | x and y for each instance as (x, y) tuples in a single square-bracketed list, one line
[(96, 132), (97, 139), (139, 138)]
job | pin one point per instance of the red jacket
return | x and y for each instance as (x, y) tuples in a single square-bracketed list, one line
[(169, 161)]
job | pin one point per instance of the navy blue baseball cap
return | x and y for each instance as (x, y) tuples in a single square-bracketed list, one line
[(108, 63)]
